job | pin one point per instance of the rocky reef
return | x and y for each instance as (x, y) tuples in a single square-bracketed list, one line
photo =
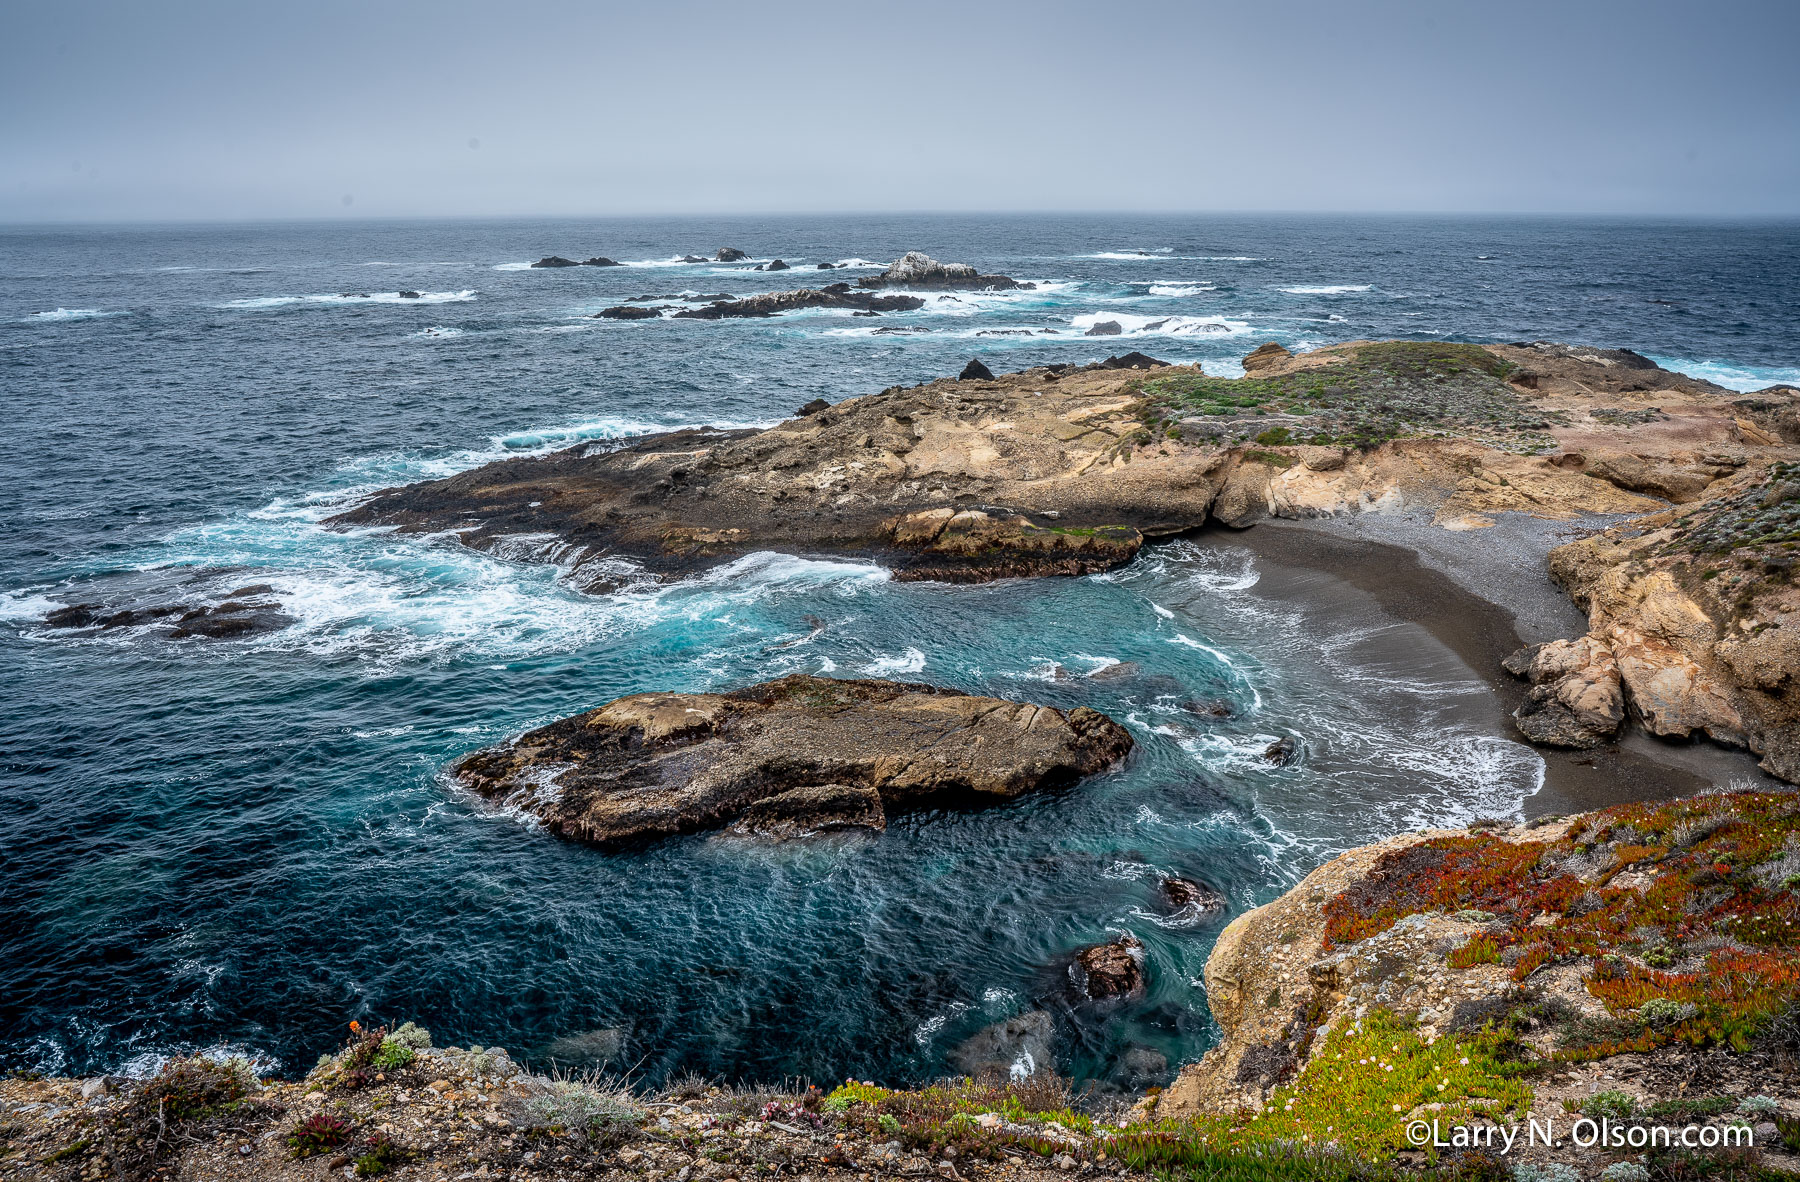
[(794, 757)]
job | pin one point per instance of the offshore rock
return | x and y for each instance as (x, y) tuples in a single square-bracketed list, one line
[(838, 295), (784, 758), (556, 260), (917, 269), (730, 254), (629, 312), (1108, 971)]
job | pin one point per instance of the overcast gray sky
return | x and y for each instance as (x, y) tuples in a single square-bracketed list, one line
[(144, 110)]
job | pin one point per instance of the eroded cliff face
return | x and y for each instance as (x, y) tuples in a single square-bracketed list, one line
[(1692, 626)]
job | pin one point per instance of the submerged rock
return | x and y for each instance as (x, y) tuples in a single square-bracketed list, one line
[(917, 269), (1017, 1048), (1282, 751), (796, 755), (1105, 328), (239, 615), (1104, 972)]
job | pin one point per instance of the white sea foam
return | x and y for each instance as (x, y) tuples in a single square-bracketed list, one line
[(1732, 375), (1327, 289), (70, 314), (1160, 252), (258, 303), (911, 661), (1131, 325), (1180, 289), (513, 267), (437, 332)]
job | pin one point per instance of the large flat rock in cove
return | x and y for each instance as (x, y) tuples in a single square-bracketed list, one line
[(786, 758)]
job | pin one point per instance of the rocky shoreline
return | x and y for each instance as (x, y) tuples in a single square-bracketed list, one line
[(1061, 470)]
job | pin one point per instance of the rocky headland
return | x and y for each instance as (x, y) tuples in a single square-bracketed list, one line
[(788, 758), (1062, 470)]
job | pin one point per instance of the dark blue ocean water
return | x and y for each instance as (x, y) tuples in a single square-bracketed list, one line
[(248, 843)]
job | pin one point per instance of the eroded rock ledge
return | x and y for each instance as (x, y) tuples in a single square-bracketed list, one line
[(786, 758)]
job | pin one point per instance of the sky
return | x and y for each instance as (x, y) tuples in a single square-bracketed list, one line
[(133, 110)]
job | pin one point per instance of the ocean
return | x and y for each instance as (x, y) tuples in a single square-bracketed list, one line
[(243, 844)]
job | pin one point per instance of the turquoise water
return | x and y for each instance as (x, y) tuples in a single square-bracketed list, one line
[(248, 843)]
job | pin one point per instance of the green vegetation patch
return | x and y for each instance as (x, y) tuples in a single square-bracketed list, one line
[(1390, 390), (1706, 952)]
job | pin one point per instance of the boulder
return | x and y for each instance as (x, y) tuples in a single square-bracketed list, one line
[(1265, 357), (814, 407), (1577, 697), (1282, 751), (1188, 896), (556, 260), (1105, 328), (918, 269), (775, 265), (1017, 1048), (411, 295), (826, 267), (1132, 360), (1245, 499), (693, 258), (729, 254), (1105, 972), (975, 371), (652, 765)]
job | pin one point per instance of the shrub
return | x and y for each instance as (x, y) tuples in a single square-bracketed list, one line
[(147, 1125), (588, 1106), (1760, 1105), (1613, 1105), (1274, 436), (1625, 1171), (317, 1133)]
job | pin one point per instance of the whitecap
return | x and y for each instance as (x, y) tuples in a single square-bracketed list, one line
[(912, 661), (69, 314), (1174, 326), (513, 267), (1180, 289), (436, 332), (258, 303), (1327, 289), (1132, 255)]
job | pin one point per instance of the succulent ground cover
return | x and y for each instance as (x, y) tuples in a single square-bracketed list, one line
[(1378, 392), (1684, 914), (1746, 537)]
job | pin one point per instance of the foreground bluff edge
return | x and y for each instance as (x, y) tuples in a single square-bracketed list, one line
[(1633, 965), (786, 758), (1064, 470)]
